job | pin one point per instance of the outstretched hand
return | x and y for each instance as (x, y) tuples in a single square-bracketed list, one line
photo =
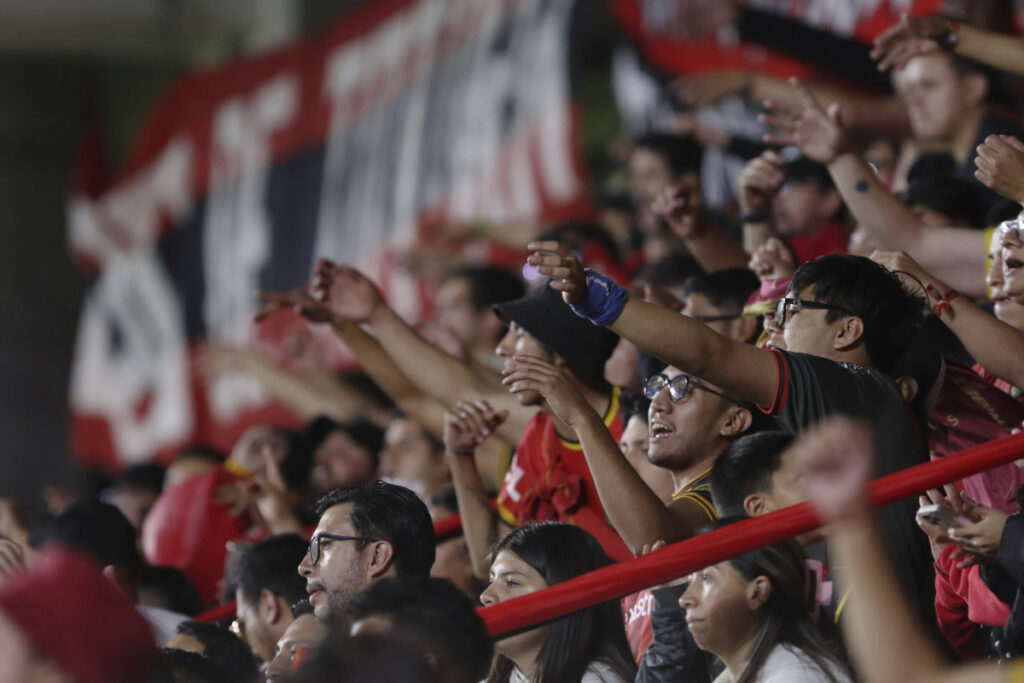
[(911, 37), (558, 262), (834, 461), (819, 134), (525, 373), (1000, 166), (680, 207), (345, 291), (300, 301), (467, 424)]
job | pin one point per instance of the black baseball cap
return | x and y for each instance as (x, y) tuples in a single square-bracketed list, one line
[(585, 347)]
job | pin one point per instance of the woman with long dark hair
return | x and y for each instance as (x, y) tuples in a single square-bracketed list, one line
[(754, 613), (588, 646)]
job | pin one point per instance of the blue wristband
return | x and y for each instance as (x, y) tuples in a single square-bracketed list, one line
[(602, 301)]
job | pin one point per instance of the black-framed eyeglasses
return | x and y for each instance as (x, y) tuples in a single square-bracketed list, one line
[(314, 543), (679, 387), (783, 307), (716, 318)]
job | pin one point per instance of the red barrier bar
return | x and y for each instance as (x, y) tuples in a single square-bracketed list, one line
[(690, 555), (452, 524), (449, 526), (218, 613)]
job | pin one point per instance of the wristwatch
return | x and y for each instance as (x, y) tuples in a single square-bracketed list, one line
[(950, 37)]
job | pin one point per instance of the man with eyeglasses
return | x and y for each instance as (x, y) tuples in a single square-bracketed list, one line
[(843, 323), (690, 422), (365, 534)]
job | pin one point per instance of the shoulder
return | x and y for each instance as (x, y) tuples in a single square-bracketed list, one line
[(599, 672), (793, 666)]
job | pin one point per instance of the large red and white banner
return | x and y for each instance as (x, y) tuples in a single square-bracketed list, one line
[(335, 146), (689, 36)]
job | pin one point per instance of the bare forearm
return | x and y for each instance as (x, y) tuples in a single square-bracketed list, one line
[(957, 255), (754, 235), (864, 116), (998, 347), (1002, 51), (871, 203), (740, 369), (430, 369), (884, 638), (444, 377), (302, 396), (635, 511), (479, 521)]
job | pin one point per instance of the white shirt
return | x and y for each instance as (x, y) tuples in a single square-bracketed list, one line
[(784, 665), (597, 672)]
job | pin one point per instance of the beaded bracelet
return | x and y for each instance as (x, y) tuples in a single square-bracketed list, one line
[(943, 301)]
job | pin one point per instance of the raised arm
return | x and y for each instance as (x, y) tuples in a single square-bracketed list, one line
[(997, 346), (914, 36), (956, 254), (885, 641), (468, 424), (680, 207), (372, 357), (635, 511), (389, 377), (760, 181), (351, 295), (739, 369), (306, 396)]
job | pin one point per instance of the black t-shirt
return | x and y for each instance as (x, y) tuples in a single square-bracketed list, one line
[(810, 388)]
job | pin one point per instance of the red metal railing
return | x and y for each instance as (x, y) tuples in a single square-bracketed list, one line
[(690, 555)]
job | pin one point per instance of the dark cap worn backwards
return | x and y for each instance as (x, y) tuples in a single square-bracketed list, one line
[(584, 346)]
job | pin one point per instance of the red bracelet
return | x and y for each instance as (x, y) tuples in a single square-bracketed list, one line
[(943, 301)]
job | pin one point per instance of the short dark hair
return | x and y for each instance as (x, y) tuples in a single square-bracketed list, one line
[(634, 404), (870, 291), (227, 652), (271, 564), (363, 432), (432, 613), (746, 467), (729, 288), (804, 170), (172, 589), (682, 153), (488, 285), (145, 476), (97, 529), (390, 513), (671, 269)]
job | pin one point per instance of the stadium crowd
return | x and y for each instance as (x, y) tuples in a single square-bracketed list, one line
[(660, 373)]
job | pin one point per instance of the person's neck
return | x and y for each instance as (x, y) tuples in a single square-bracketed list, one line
[(598, 399), (683, 476), (857, 356), (961, 146), (736, 659), (526, 661)]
